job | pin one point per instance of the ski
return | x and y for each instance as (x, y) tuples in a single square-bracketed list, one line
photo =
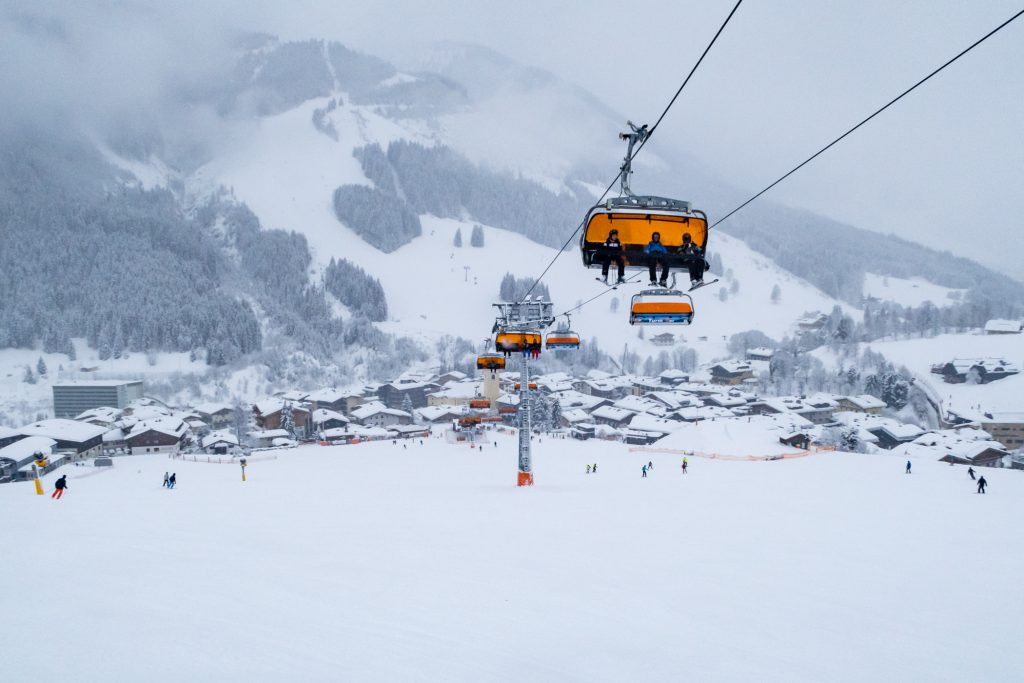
[(703, 284), (612, 285)]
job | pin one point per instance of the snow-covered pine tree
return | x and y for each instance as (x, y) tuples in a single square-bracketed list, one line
[(407, 404), (776, 294), (41, 367), (28, 377), (476, 238), (458, 237), (288, 419)]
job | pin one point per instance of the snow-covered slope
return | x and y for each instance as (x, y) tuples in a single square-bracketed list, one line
[(286, 171), (373, 562), (912, 292)]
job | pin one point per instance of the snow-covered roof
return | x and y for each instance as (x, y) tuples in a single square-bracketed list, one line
[(27, 447), (113, 435), (612, 413), (1004, 417), (964, 365), (577, 399), (734, 367), (212, 408), (704, 413), (171, 426), (673, 373), (223, 436), (321, 415), (459, 390), (103, 413), (332, 395), (575, 415), (96, 382), (997, 325), (63, 430), (435, 413), (650, 423), (866, 401), (375, 408), (675, 399), (637, 404), (269, 434), (762, 351)]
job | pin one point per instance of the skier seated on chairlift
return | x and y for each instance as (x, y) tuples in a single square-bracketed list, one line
[(657, 254), (696, 263), (613, 252)]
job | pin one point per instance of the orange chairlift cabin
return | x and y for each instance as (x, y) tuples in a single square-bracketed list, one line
[(490, 361), (661, 307), (636, 218), (509, 342), (564, 339)]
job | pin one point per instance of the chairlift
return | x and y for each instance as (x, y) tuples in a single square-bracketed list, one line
[(661, 307)]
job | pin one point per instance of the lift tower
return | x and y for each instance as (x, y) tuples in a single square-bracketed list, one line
[(519, 328)]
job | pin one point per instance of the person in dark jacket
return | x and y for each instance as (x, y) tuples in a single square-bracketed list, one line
[(982, 484), (695, 260), (908, 467), (612, 251), (970, 472), (595, 467), (657, 254), (59, 486), (172, 481)]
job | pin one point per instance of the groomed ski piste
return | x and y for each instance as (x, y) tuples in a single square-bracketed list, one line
[(378, 562)]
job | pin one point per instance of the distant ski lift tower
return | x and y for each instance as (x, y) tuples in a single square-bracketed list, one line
[(529, 315)]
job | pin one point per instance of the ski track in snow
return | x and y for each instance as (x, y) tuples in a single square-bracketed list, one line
[(374, 562)]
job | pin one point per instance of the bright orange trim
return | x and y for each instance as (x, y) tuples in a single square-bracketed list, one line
[(681, 307)]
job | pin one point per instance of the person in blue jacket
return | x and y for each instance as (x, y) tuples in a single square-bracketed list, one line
[(908, 467), (657, 253)]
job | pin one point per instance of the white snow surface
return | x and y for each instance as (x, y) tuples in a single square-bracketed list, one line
[(373, 562), (909, 292)]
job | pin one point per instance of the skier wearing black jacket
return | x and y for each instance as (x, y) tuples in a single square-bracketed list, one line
[(612, 251), (59, 486)]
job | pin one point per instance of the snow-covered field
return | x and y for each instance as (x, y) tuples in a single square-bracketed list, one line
[(912, 292), (373, 562)]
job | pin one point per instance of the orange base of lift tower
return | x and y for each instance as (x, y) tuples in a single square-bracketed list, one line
[(525, 479)]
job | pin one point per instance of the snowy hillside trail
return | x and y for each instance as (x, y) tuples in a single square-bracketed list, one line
[(373, 562)]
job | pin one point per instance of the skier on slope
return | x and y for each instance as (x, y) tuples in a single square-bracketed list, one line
[(595, 467), (588, 469), (643, 470), (684, 465), (167, 477), (172, 481), (908, 468), (59, 486), (970, 471), (982, 484), (650, 465)]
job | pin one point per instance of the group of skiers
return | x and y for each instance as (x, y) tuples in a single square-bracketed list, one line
[(657, 255), (970, 472), (592, 468), (170, 480)]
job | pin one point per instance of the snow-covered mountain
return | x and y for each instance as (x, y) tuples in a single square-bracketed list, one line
[(322, 154)]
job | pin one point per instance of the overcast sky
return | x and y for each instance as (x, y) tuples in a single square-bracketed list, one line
[(945, 166)]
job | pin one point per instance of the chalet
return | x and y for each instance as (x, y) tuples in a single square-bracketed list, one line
[(672, 376), (103, 416), (796, 440), (981, 454), (651, 425), (450, 376), (269, 414), (573, 417), (612, 416), (638, 404), (1006, 428), (863, 403), (438, 414), (663, 339), (216, 415), (811, 321), (328, 419), (761, 353), (703, 413), (221, 443), (77, 439), (410, 431), (1003, 327), (17, 458), (340, 401), (975, 370), (731, 372), (268, 438), (115, 442), (892, 433), (376, 414), (567, 400), (612, 388), (156, 436), (455, 394), (645, 385), (673, 400), (393, 394)]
